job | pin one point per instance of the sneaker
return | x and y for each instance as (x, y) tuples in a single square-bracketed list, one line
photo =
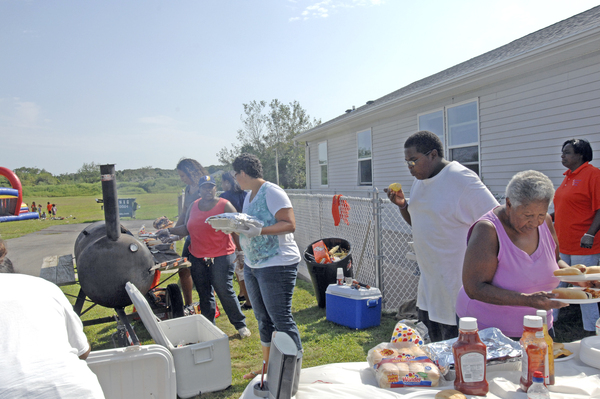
[(189, 310), (244, 332)]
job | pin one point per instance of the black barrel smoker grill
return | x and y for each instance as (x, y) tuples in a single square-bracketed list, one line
[(108, 256)]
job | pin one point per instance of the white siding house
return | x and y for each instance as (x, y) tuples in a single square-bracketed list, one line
[(502, 112)]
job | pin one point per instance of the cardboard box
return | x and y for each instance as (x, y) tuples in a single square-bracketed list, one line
[(135, 372), (353, 308), (200, 349)]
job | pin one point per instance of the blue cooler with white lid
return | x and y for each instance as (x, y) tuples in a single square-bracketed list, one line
[(353, 308)]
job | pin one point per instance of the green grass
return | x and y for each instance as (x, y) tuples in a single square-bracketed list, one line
[(86, 210)]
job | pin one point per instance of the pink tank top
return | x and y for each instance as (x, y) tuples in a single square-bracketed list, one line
[(517, 271), (206, 242)]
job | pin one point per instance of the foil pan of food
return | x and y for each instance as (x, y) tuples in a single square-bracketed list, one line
[(233, 222), (500, 350)]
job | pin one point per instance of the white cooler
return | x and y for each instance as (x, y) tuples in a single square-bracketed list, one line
[(135, 372), (199, 348)]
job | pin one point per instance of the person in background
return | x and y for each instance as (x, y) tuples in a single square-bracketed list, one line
[(190, 172), (577, 215), (512, 252), (271, 254), (53, 209), (212, 255), (446, 198), (234, 194), (33, 207), (49, 209), (43, 346)]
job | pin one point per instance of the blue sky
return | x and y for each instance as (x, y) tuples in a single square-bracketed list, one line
[(144, 83)]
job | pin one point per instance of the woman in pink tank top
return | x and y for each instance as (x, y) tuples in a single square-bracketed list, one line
[(511, 254)]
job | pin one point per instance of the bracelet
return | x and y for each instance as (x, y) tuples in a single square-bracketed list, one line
[(239, 253), (589, 235), (405, 205)]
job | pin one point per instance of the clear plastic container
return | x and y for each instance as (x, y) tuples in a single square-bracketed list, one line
[(538, 390), (549, 377), (470, 359)]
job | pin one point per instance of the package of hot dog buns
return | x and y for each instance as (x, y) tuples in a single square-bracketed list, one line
[(402, 364)]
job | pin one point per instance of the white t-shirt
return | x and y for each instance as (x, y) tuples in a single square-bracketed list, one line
[(269, 250), (442, 209), (41, 339)]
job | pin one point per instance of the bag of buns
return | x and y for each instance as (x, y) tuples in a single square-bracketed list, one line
[(404, 333), (401, 364)]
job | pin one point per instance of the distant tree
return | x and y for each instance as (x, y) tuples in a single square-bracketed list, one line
[(34, 176), (268, 133), (88, 173)]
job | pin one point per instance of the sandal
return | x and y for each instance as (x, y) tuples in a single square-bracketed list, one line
[(251, 375)]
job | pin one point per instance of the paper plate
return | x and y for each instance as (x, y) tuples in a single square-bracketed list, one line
[(579, 277), (424, 394), (562, 359), (578, 301)]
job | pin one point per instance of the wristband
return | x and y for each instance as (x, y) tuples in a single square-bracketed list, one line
[(589, 235), (405, 205)]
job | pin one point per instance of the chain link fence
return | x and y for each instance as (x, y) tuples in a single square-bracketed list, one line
[(378, 235)]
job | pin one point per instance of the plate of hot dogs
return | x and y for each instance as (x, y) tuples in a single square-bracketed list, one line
[(578, 273), (577, 295)]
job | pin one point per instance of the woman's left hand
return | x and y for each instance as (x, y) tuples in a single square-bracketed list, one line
[(587, 241)]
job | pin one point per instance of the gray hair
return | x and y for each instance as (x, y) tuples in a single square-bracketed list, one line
[(529, 186)]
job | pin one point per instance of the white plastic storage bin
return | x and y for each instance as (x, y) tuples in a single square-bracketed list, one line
[(135, 372), (199, 348)]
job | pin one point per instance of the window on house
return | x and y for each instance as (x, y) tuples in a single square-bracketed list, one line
[(463, 135), (323, 162), (363, 141), (434, 122), (459, 132)]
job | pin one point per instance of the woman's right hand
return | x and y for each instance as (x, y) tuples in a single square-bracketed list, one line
[(542, 300), (397, 197)]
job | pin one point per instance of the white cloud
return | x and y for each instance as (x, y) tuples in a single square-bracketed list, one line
[(324, 8), (17, 114)]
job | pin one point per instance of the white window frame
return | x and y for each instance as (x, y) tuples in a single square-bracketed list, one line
[(446, 136), (359, 159), (442, 110), (325, 164), (449, 147)]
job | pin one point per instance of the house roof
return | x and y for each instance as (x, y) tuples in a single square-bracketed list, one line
[(562, 30)]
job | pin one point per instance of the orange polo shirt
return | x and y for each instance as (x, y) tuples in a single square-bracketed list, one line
[(575, 204)]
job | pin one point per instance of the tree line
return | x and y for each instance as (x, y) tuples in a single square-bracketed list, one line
[(268, 131)]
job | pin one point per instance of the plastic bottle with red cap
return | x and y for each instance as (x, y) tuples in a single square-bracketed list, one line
[(538, 390)]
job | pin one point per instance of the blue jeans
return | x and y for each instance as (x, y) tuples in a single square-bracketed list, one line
[(217, 275), (270, 290), (589, 312)]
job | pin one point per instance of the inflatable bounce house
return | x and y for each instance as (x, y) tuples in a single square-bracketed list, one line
[(11, 200)]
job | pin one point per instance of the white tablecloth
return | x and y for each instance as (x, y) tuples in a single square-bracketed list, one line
[(574, 379)]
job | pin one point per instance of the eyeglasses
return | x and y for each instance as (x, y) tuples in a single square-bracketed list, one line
[(413, 163)]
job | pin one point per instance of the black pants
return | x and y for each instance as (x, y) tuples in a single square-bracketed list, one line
[(437, 331)]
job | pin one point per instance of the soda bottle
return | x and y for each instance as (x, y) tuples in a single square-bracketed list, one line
[(537, 390), (470, 359), (534, 348), (549, 376)]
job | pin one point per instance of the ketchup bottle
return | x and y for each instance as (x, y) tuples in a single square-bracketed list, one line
[(470, 359), (534, 348)]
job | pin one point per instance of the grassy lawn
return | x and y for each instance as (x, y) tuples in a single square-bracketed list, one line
[(86, 210)]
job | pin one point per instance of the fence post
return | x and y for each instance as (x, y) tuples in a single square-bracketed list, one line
[(377, 239)]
